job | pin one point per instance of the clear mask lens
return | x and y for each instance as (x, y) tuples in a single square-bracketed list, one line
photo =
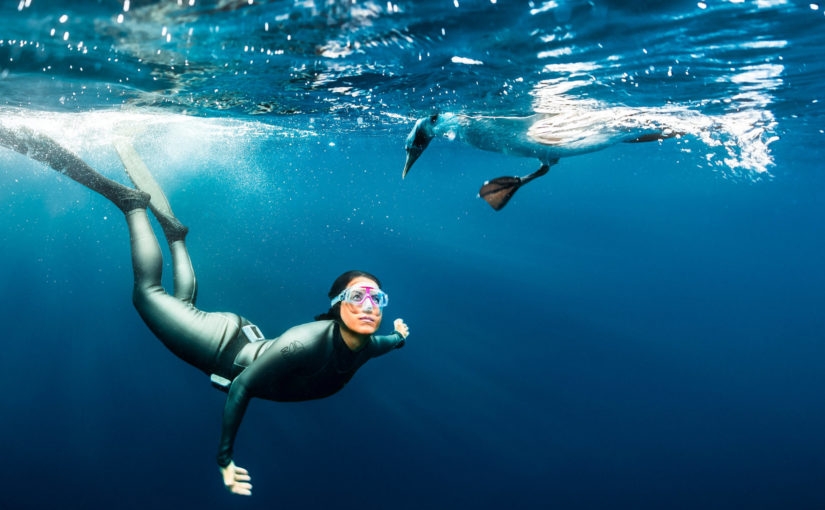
[(363, 296)]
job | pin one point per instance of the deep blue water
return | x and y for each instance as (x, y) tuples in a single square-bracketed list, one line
[(641, 328)]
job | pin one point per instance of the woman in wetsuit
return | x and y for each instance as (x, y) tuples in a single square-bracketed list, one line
[(308, 361)]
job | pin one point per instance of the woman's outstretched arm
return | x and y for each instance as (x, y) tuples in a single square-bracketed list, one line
[(233, 412), (308, 350)]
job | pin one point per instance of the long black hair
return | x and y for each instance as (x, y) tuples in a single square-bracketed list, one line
[(338, 286)]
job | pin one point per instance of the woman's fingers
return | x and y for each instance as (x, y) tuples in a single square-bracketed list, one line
[(236, 479), (401, 327)]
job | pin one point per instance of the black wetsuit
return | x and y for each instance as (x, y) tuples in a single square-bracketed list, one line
[(306, 362)]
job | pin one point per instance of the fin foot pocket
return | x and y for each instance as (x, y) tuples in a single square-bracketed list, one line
[(173, 229), (129, 199)]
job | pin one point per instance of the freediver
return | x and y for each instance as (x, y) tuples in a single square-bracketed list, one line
[(308, 361)]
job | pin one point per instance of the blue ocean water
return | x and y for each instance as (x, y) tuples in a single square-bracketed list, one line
[(641, 328)]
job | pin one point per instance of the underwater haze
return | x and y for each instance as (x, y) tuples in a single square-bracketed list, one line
[(641, 328)]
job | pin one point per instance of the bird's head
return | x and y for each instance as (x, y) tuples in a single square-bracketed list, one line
[(418, 140)]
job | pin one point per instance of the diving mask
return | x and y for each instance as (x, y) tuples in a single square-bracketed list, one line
[(359, 295)]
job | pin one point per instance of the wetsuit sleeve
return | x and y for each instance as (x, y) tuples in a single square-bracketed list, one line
[(270, 366), (385, 343), (274, 365), (233, 412)]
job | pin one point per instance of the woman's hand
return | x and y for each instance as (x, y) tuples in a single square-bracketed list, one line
[(236, 479), (402, 328)]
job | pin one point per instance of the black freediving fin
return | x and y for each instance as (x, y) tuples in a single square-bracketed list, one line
[(499, 191)]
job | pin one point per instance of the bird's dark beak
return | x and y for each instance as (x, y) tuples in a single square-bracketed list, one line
[(418, 140), (412, 154)]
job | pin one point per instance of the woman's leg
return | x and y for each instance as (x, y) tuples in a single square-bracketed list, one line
[(46, 150), (195, 336), (185, 284)]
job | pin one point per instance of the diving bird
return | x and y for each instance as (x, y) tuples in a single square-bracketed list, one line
[(546, 136)]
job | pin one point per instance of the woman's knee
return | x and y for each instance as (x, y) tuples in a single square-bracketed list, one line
[(148, 299)]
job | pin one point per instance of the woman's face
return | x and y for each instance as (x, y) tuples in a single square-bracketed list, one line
[(364, 318)]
